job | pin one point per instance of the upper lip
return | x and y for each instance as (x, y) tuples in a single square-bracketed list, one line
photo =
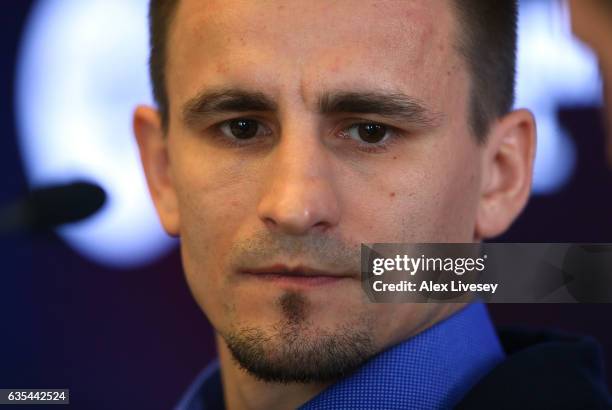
[(297, 270)]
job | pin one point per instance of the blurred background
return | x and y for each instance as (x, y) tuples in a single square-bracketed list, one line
[(101, 306)]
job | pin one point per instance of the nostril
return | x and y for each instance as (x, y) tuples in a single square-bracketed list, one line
[(322, 225), (270, 223)]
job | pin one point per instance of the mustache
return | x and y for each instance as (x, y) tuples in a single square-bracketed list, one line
[(320, 251)]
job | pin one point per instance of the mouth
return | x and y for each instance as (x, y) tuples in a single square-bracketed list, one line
[(298, 276)]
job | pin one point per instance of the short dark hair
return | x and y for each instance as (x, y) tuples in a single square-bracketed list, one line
[(487, 40), (161, 14)]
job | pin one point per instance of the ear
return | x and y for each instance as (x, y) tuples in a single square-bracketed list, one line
[(507, 171), (153, 147)]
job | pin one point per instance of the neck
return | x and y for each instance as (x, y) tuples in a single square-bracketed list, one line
[(243, 391)]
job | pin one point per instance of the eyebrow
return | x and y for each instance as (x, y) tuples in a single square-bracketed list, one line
[(224, 101), (391, 105), (398, 106)]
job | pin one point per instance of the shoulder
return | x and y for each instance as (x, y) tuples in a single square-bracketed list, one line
[(543, 370)]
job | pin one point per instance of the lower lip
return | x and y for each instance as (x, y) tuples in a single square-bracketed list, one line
[(297, 280)]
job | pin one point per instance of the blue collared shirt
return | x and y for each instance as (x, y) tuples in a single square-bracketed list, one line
[(432, 370)]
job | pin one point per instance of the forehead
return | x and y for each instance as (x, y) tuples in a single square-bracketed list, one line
[(310, 45)]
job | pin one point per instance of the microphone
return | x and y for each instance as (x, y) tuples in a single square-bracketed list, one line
[(51, 206)]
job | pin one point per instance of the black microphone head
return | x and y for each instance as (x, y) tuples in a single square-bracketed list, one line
[(49, 207)]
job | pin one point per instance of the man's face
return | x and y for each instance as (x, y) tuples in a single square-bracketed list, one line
[(299, 130)]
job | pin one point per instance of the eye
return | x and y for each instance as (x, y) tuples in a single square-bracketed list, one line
[(241, 128), (372, 133)]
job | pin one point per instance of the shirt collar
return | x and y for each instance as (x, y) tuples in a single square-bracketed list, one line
[(432, 370)]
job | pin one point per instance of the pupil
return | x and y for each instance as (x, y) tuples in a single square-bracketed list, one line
[(372, 133), (243, 129)]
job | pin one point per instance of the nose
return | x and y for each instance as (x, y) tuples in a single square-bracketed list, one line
[(299, 196)]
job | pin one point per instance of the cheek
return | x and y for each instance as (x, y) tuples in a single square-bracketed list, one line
[(215, 202), (452, 191), (215, 189), (430, 196)]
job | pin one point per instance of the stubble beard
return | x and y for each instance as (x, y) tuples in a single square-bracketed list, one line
[(295, 350)]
